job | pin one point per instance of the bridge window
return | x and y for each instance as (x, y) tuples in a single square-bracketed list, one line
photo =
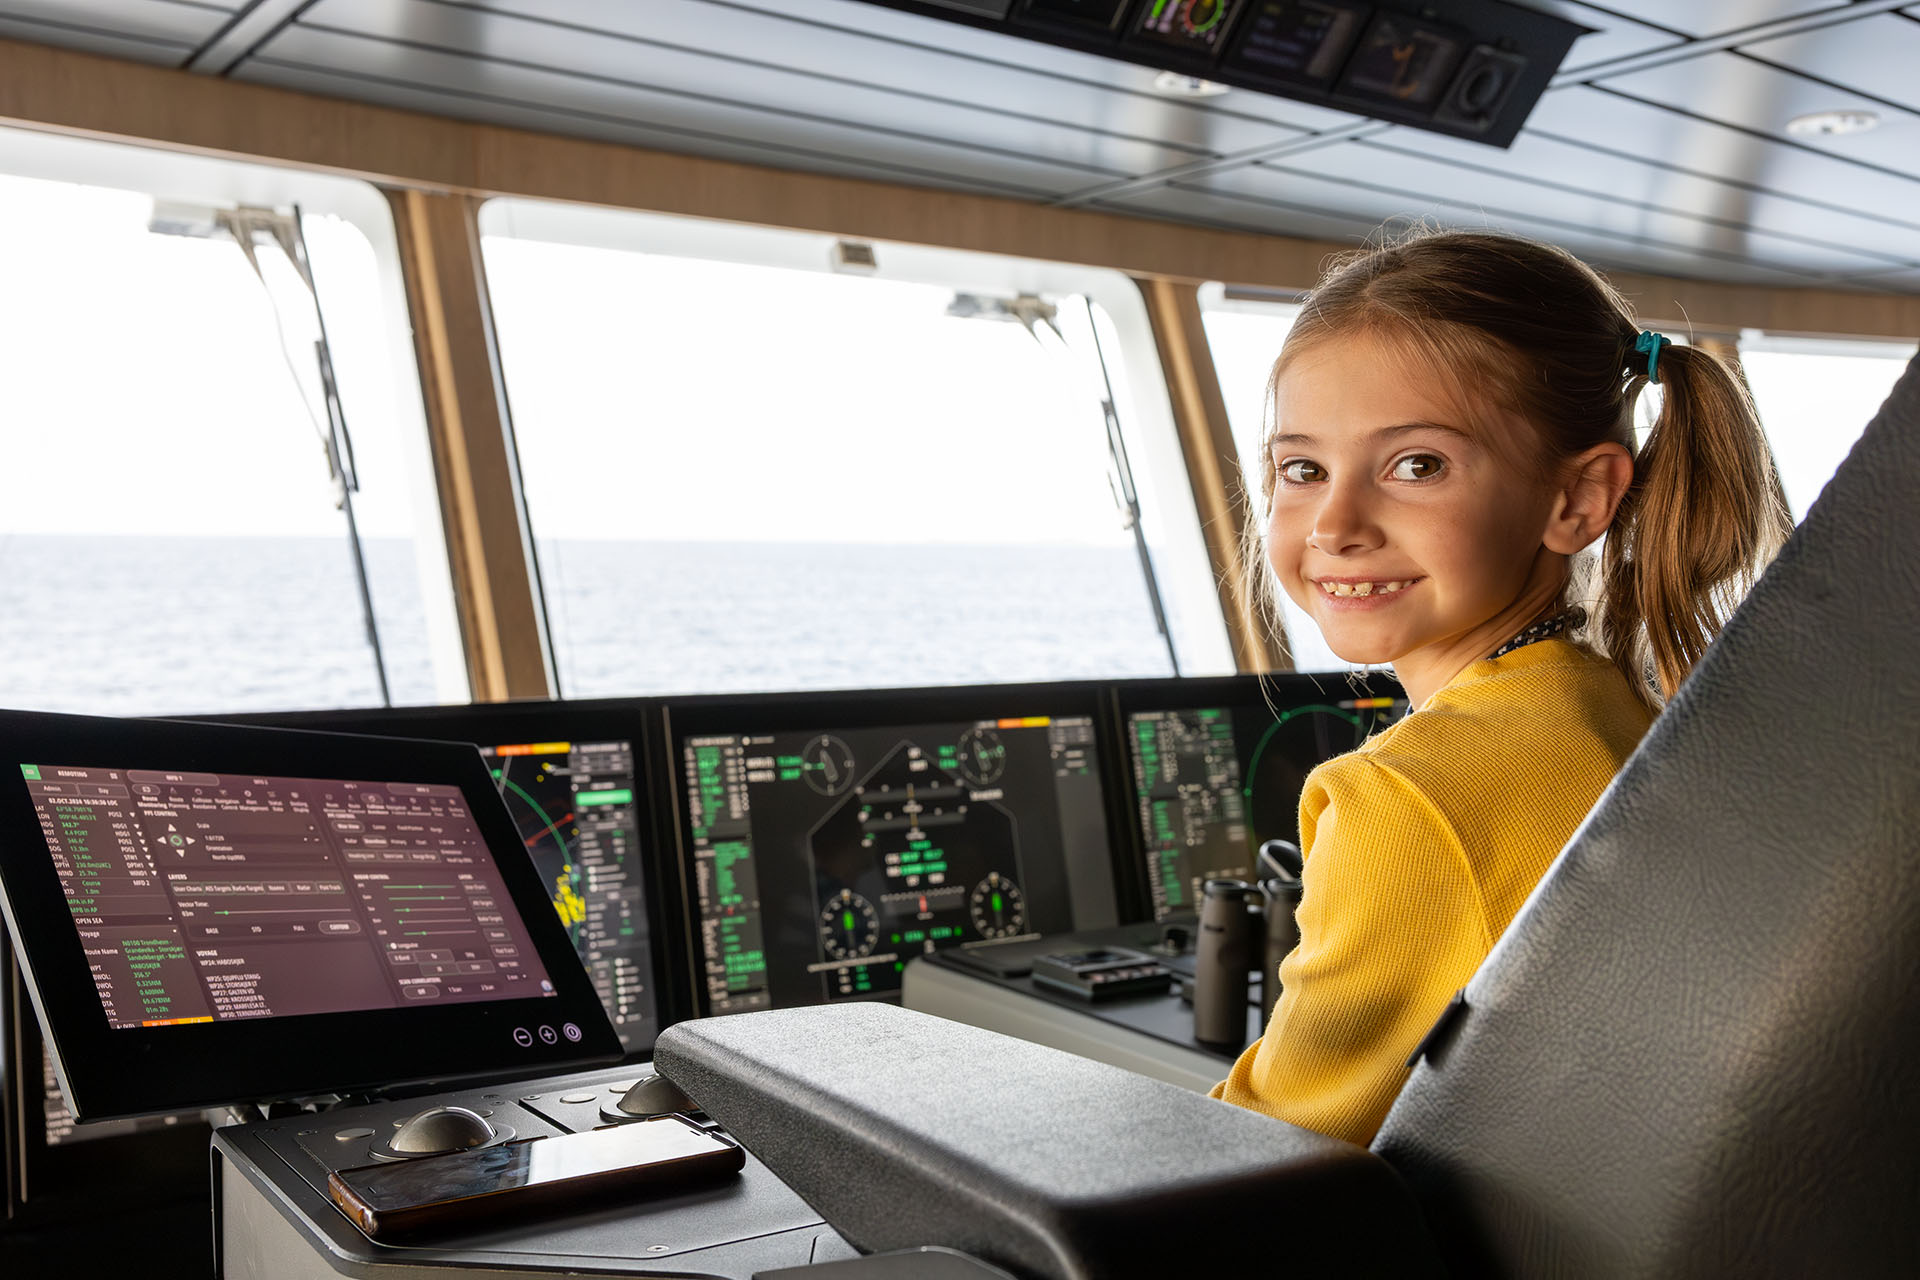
[(171, 539), (1815, 398), (1244, 331), (745, 469)]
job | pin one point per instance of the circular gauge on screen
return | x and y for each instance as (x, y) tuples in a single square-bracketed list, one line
[(1200, 17), (848, 926), (827, 765), (982, 756), (998, 908)]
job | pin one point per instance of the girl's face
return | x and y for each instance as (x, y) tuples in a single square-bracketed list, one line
[(1407, 537)]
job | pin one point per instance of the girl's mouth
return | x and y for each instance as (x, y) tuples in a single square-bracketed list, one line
[(1345, 588)]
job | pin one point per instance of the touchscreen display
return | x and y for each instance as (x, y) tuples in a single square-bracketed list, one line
[(825, 859), (204, 897)]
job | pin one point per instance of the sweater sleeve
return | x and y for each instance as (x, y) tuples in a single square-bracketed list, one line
[(1391, 926)]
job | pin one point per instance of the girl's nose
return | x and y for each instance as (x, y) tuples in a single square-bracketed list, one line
[(1343, 524)]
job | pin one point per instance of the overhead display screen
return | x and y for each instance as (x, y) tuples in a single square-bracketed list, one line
[(203, 897), (1304, 40), (1214, 779), (825, 858), (1087, 15), (1192, 26), (1403, 60)]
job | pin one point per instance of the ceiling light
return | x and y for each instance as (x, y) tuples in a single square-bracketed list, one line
[(1831, 124), (1175, 85)]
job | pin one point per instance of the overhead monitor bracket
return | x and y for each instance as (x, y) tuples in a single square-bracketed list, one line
[(1470, 68)]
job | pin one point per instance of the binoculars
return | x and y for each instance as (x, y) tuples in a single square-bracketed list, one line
[(1243, 924)]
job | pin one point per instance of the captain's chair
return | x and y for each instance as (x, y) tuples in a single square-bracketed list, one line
[(1695, 1053)]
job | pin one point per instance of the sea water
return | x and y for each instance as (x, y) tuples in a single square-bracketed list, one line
[(146, 626)]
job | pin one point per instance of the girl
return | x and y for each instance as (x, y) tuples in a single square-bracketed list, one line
[(1452, 424)]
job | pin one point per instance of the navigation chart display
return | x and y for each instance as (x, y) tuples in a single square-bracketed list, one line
[(576, 809), (1212, 782), (826, 858), (213, 897)]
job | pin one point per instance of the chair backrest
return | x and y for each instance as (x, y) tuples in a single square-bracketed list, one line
[(1697, 1050)]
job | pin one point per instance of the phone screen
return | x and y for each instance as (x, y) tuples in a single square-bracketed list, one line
[(667, 1150)]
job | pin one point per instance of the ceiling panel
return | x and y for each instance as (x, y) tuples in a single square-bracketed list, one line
[(1715, 17), (690, 77), (150, 30), (1682, 167), (833, 53), (1739, 91), (165, 52), (1629, 127), (695, 119), (1648, 243), (521, 115), (996, 47), (1877, 56), (1566, 181)]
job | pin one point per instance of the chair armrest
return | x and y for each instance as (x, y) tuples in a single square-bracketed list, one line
[(905, 1130)]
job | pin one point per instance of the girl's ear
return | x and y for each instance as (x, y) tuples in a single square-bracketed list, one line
[(1591, 488)]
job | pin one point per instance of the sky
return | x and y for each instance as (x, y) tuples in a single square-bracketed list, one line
[(664, 398), (142, 386), (143, 390)]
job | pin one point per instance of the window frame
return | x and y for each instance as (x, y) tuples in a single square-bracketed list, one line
[(1170, 517), (207, 180)]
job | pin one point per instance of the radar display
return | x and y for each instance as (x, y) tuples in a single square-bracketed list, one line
[(575, 808)]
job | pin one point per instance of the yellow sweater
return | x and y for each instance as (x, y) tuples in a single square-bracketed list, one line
[(1421, 845)]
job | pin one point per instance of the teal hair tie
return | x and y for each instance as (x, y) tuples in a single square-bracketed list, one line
[(1650, 343)]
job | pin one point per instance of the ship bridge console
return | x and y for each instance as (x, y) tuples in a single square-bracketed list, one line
[(423, 956)]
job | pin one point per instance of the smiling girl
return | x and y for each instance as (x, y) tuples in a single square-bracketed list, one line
[(1452, 425)]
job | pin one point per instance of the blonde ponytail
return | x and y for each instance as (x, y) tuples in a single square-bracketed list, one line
[(1701, 519)]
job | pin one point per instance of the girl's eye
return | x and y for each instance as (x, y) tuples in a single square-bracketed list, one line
[(1417, 466), (1301, 471)]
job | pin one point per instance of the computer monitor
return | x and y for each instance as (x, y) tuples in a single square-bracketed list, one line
[(212, 914), (573, 777), (833, 837), (1216, 766)]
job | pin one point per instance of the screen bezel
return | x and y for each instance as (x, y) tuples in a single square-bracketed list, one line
[(866, 709), (49, 1181), (634, 720), (112, 1073)]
